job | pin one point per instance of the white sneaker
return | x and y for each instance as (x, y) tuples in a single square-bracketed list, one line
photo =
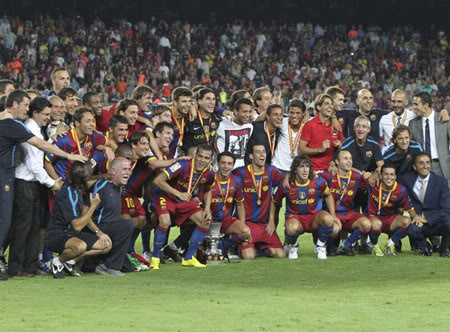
[(293, 251), (321, 252)]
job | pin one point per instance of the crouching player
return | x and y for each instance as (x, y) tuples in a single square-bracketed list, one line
[(258, 180), (385, 200), (304, 205), (173, 196), (344, 186), (226, 190)]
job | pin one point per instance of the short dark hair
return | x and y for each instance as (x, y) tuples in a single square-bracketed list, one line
[(197, 88), (80, 112), (424, 97), (161, 125), (159, 109), (32, 91), (201, 93), (338, 153), (66, 92), (124, 104), (226, 154), (255, 144), (116, 119), (16, 96), (297, 103), (78, 175), (37, 105), (2, 103), (181, 91), (3, 84), (87, 97), (122, 149), (205, 147), (140, 91), (271, 107), (388, 165), (421, 154), (137, 135), (242, 101)]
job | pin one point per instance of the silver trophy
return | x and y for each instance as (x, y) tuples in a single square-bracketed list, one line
[(213, 253)]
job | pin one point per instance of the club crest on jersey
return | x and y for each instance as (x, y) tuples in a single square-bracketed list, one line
[(373, 117), (394, 197), (352, 183), (369, 154), (175, 167), (312, 191), (302, 195), (408, 157), (88, 146)]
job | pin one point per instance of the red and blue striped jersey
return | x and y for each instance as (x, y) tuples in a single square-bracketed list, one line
[(270, 179), (235, 194), (179, 174), (69, 144), (303, 199), (344, 194), (140, 174), (398, 199)]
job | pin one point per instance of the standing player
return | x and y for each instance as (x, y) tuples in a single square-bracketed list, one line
[(182, 101), (258, 180), (173, 197), (304, 205), (385, 201), (344, 186), (226, 190)]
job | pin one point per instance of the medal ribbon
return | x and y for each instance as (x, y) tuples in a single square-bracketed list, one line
[(257, 188), (75, 137), (191, 177), (224, 197), (380, 193), (206, 131), (344, 189), (297, 138), (403, 118), (180, 129), (269, 137)]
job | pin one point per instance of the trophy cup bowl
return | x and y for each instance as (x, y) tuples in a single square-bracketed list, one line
[(213, 253)]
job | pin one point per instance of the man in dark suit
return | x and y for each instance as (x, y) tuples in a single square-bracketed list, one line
[(430, 197), (433, 135)]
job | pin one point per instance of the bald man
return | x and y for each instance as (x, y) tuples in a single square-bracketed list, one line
[(364, 100), (400, 115)]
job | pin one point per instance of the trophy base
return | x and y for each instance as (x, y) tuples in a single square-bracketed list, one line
[(215, 260)]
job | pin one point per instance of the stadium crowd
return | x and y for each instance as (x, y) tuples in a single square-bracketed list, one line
[(111, 133)]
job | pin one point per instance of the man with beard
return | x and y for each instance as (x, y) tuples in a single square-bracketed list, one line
[(69, 97), (259, 179), (173, 196), (182, 101)]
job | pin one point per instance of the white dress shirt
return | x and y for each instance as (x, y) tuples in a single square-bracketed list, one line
[(434, 153), (387, 125), (32, 169), (418, 184)]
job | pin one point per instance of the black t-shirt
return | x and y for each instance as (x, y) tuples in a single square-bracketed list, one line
[(12, 133), (68, 206), (364, 157), (109, 209), (348, 117), (195, 133)]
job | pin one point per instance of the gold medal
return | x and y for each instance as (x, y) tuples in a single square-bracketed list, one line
[(293, 143), (258, 202), (292, 155)]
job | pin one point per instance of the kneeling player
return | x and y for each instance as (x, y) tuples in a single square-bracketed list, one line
[(258, 180), (226, 189), (304, 206), (71, 232), (173, 196), (385, 201), (344, 186)]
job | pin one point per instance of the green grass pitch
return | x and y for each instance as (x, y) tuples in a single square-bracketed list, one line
[(363, 293)]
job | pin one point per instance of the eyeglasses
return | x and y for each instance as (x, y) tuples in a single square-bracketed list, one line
[(361, 126)]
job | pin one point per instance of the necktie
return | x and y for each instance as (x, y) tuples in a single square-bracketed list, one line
[(422, 191), (399, 119), (427, 138)]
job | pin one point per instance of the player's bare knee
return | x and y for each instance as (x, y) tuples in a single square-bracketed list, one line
[(164, 221), (80, 248), (245, 231), (248, 254), (365, 226), (279, 253), (292, 228), (405, 222), (327, 220)]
